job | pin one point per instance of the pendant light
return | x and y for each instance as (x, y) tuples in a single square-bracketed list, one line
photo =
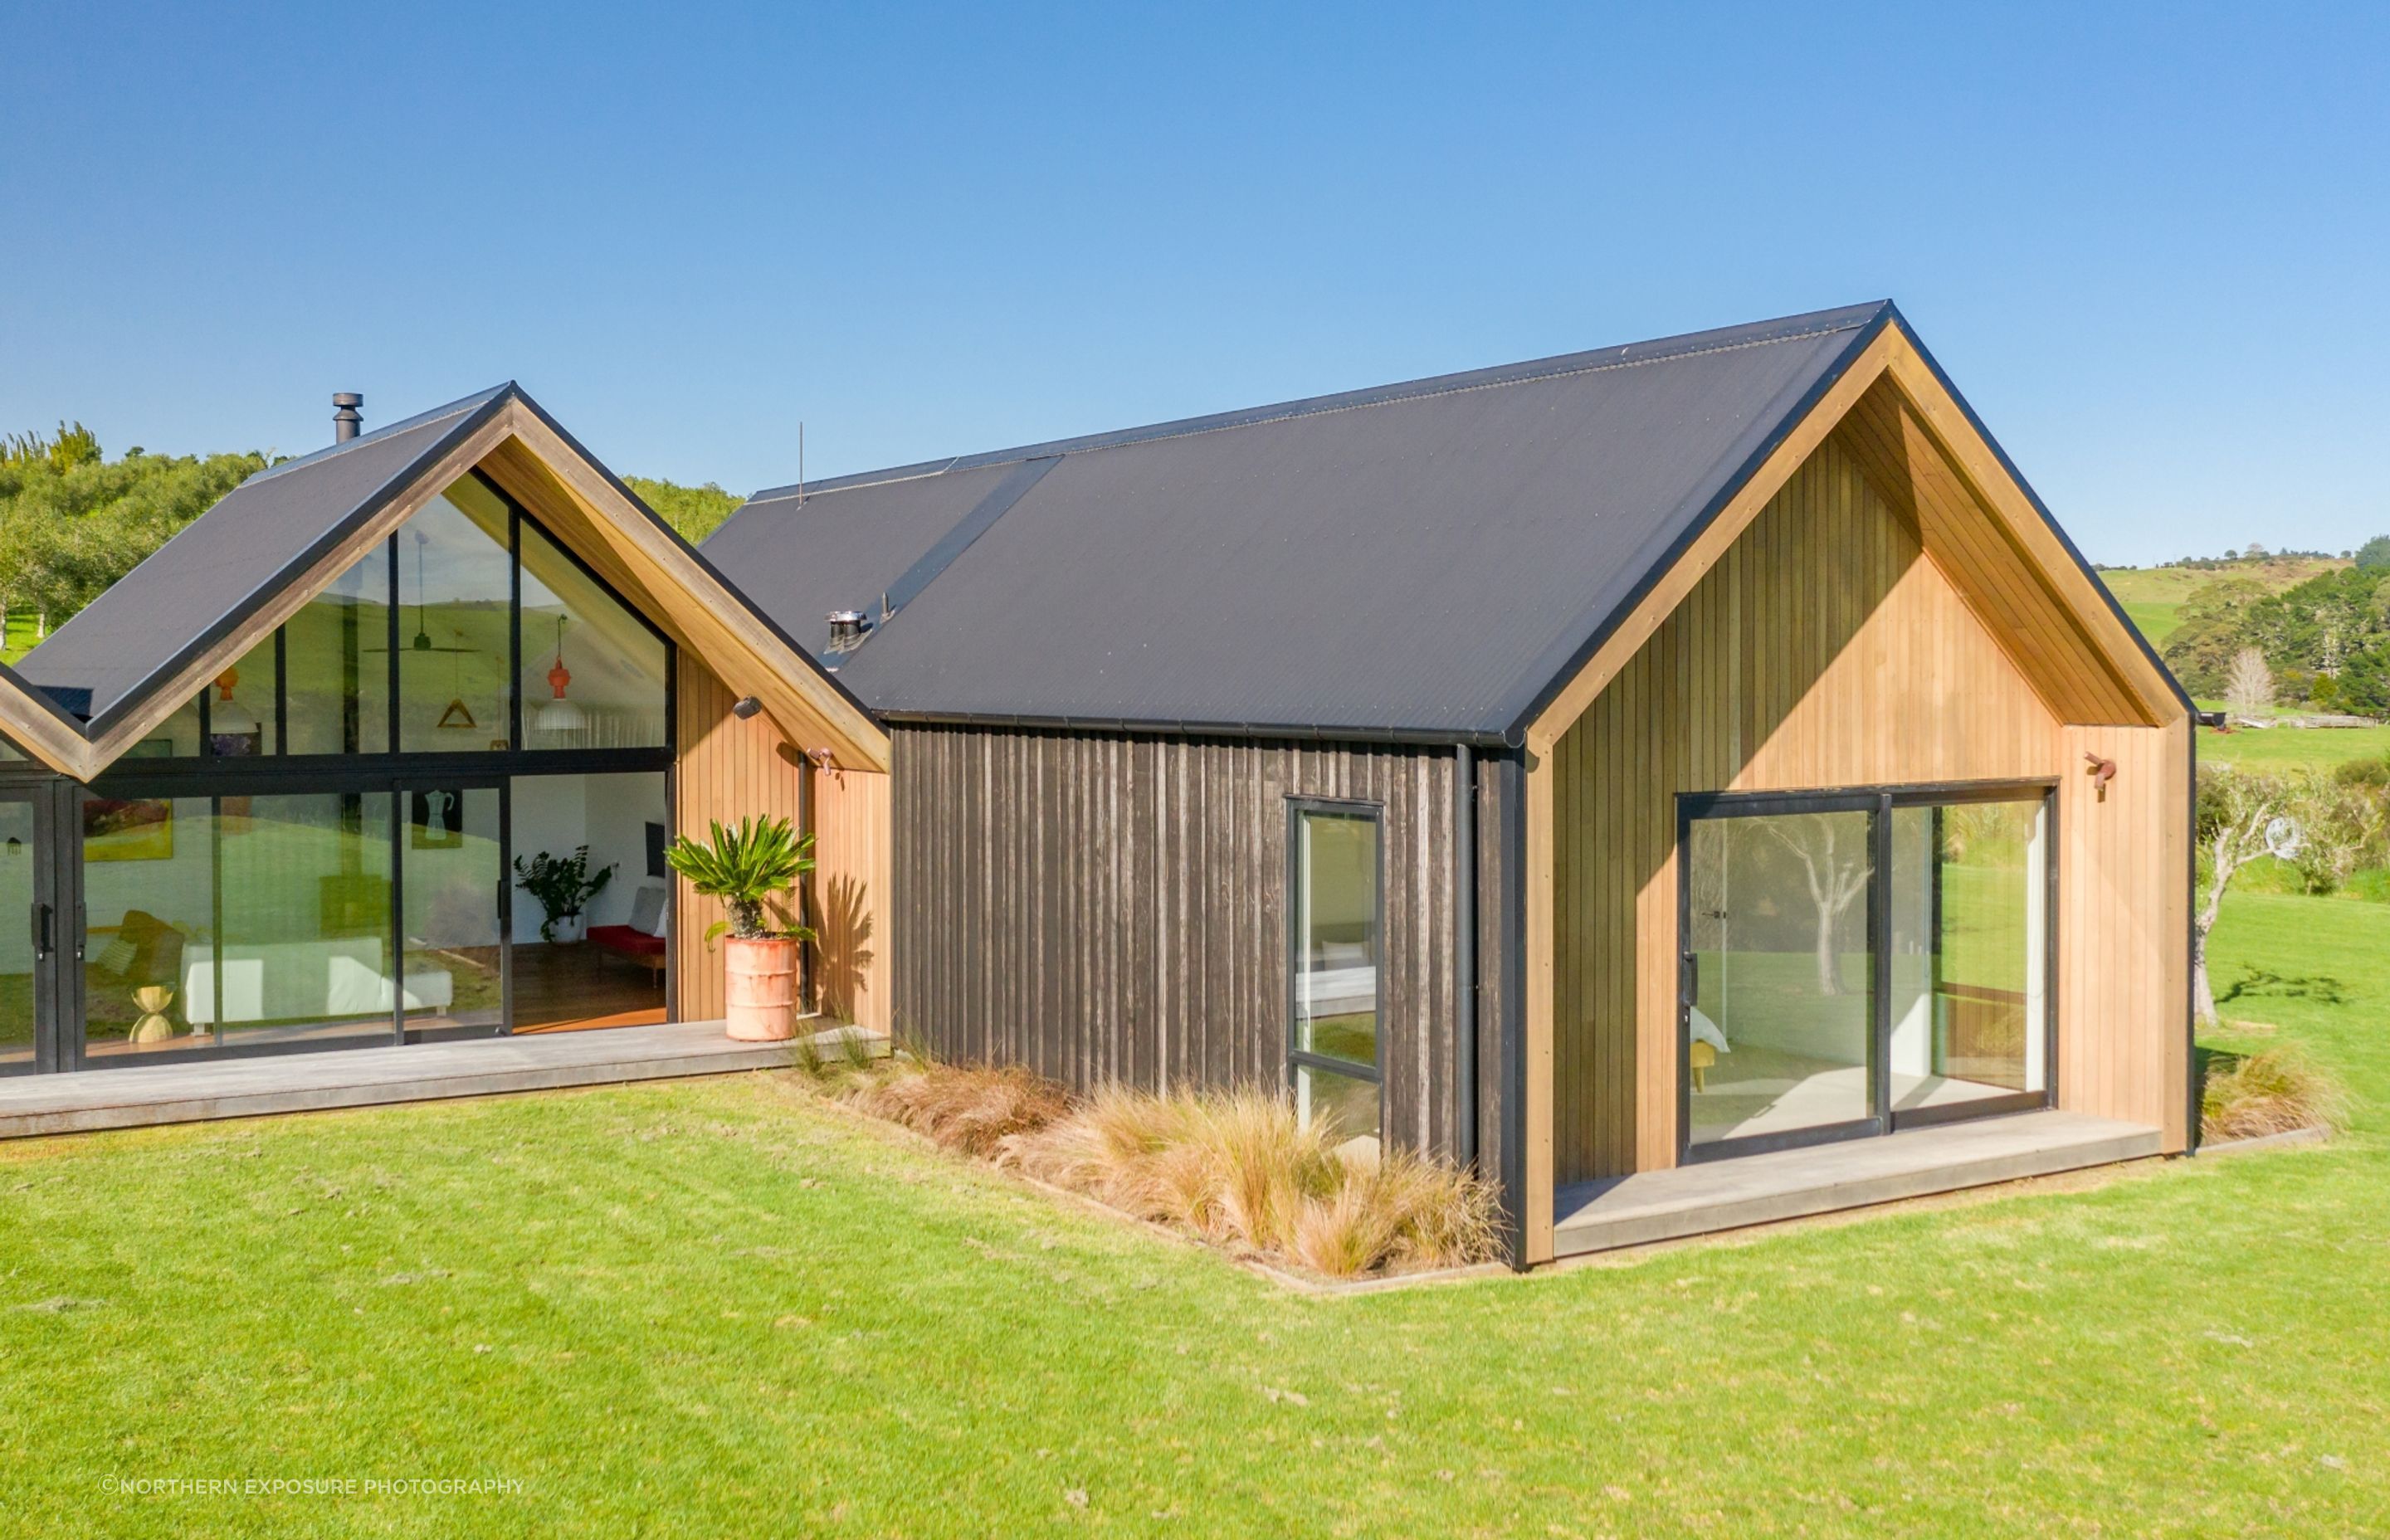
[(458, 716), (560, 715), (227, 716)]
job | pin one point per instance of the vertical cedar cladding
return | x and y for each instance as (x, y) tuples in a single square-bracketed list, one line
[(1105, 907), (1825, 648), (730, 768)]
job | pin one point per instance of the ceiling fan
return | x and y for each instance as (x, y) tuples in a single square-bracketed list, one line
[(458, 716)]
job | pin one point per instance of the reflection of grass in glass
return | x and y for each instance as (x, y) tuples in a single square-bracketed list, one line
[(1344, 1103), (1353, 1036), (16, 1015), (1771, 999), (1983, 923)]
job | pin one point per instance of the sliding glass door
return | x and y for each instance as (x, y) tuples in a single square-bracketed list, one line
[(1969, 935), (32, 930), (1855, 962), (1780, 973), (452, 859)]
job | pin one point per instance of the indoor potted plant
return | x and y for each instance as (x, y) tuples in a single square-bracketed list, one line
[(745, 867), (564, 885)]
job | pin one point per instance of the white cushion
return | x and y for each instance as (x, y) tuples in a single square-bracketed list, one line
[(647, 910)]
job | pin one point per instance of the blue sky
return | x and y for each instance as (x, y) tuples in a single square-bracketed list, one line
[(2152, 244)]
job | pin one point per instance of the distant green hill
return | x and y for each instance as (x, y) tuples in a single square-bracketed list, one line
[(2153, 596)]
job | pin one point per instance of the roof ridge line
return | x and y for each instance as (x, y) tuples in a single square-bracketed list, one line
[(1427, 388), (421, 419)]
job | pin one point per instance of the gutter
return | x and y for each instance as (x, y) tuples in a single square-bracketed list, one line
[(1180, 728)]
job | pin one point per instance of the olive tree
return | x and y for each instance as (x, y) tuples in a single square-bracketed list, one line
[(2324, 829), (2235, 809)]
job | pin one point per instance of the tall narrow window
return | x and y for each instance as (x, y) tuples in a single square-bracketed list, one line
[(1338, 936), (593, 672), (1970, 934), (336, 652), (454, 597)]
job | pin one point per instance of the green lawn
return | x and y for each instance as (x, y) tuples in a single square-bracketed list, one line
[(2290, 748), (2157, 621), (713, 1309)]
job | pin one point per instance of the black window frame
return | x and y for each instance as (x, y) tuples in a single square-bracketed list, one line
[(393, 770), (1297, 1057), (1878, 802), (516, 755)]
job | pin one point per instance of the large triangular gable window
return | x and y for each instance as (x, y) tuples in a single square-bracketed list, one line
[(469, 630)]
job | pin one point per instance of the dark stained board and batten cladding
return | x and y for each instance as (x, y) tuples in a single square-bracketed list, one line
[(1105, 907)]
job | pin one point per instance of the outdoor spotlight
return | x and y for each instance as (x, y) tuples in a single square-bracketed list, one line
[(746, 706)]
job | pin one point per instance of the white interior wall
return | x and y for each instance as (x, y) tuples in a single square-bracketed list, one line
[(609, 813)]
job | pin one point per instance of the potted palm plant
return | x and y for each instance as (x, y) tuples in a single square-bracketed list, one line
[(747, 868), (564, 885)]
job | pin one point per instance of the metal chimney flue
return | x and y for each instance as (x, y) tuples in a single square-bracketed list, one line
[(847, 629), (348, 416)]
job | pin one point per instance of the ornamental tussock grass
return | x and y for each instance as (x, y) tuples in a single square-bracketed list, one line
[(968, 1109), (1234, 1168), (2275, 1091), (1239, 1169)]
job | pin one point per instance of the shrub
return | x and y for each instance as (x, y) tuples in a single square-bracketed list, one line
[(2372, 773), (2275, 1091)]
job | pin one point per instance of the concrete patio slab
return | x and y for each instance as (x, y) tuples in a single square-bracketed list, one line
[(1792, 1184)]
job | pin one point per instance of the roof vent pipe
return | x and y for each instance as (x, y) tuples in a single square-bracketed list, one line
[(348, 416), (845, 627)]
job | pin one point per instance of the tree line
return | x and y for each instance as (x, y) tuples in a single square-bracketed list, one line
[(2324, 642), (73, 522)]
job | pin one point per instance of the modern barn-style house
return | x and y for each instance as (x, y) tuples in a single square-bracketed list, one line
[(269, 792), (1695, 781)]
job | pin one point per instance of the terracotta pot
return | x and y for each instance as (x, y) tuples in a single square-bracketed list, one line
[(759, 996)]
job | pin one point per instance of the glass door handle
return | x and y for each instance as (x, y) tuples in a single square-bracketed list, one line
[(44, 929), (81, 929)]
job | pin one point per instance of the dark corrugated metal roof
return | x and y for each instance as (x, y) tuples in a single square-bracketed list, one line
[(1427, 559), (198, 586)]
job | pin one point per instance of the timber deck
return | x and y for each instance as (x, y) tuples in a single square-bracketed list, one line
[(134, 1098)]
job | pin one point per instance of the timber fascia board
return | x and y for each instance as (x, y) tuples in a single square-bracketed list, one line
[(2004, 495), (1707, 544), (163, 697), (1890, 354), (801, 700)]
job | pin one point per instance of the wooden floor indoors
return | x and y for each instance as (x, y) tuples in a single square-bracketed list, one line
[(1792, 1184), (136, 1097)]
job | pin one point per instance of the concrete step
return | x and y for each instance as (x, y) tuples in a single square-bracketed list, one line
[(1794, 1183)]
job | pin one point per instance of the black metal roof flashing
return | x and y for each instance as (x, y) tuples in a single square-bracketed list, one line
[(1299, 569)]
